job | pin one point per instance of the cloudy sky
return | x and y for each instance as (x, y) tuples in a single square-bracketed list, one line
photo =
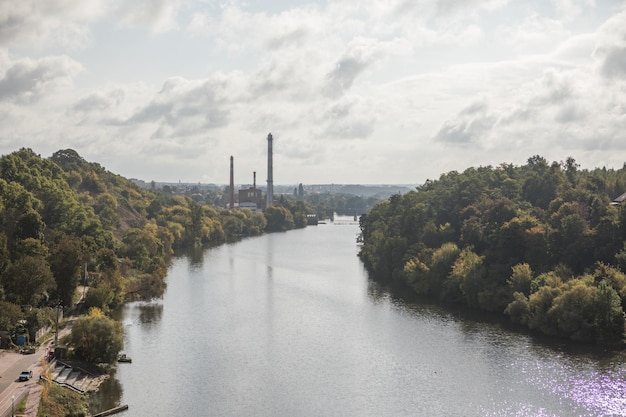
[(353, 91)]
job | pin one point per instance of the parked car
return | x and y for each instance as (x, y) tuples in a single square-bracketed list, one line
[(25, 375)]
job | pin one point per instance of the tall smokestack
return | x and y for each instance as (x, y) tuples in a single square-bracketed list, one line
[(270, 172), (254, 179), (231, 204)]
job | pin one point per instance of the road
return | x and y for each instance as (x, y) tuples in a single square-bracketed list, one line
[(11, 365)]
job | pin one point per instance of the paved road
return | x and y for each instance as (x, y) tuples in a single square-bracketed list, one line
[(11, 365)]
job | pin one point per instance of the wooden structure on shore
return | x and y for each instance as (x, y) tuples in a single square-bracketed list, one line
[(112, 411)]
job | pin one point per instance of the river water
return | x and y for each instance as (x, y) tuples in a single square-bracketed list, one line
[(288, 324)]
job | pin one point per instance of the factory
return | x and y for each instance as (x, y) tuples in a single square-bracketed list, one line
[(252, 197)]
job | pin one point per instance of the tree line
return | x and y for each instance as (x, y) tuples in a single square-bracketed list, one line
[(543, 243), (66, 223)]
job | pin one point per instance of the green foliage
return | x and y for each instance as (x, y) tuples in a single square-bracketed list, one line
[(145, 248), (468, 275), (325, 204), (416, 274), (278, 219), (96, 339), (28, 281), (57, 215), (608, 315), (37, 318), (521, 277), (10, 315), (107, 290), (299, 210), (66, 259), (540, 242), (518, 309), (59, 401), (60, 214), (441, 266)]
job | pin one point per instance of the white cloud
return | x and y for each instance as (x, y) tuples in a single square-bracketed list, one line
[(566, 110), (157, 15), (568, 9), (184, 109), (610, 51), (532, 32), (99, 101), (27, 80), (360, 55), (59, 22), (354, 91), (349, 118)]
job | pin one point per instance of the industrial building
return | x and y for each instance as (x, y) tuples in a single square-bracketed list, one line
[(252, 197)]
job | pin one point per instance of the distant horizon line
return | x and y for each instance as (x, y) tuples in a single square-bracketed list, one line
[(180, 182)]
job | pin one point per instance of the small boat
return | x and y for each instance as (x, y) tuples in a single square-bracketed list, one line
[(124, 358)]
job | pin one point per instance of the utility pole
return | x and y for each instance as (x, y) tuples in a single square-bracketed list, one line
[(56, 322)]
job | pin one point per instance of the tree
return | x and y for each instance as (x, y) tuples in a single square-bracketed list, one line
[(38, 318), (66, 259), (145, 248), (256, 224), (520, 279), (28, 281), (441, 265), (416, 273), (96, 338), (608, 315), (106, 208), (29, 225), (572, 311), (278, 219), (233, 226), (469, 272), (460, 237), (518, 309), (68, 159), (10, 315)]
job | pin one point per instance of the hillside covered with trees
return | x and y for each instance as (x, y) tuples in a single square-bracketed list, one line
[(542, 243), (66, 222)]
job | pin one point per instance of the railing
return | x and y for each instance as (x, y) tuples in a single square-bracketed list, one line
[(15, 403)]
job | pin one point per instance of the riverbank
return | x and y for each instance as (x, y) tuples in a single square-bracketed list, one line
[(79, 377), (291, 325)]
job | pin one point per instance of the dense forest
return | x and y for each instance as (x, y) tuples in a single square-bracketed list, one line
[(66, 223), (543, 243)]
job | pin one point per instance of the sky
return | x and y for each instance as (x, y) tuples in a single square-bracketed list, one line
[(353, 91)]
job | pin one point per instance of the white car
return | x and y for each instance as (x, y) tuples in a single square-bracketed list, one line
[(25, 375)]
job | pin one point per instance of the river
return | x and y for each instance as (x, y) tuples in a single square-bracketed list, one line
[(288, 324)]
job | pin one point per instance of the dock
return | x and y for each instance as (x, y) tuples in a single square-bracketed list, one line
[(112, 411)]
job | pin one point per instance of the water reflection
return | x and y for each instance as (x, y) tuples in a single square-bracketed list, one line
[(195, 256), (108, 395), (290, 325), (150, 312), (589, 379)]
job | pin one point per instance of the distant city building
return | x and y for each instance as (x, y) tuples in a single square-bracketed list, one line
[(252, 197)]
